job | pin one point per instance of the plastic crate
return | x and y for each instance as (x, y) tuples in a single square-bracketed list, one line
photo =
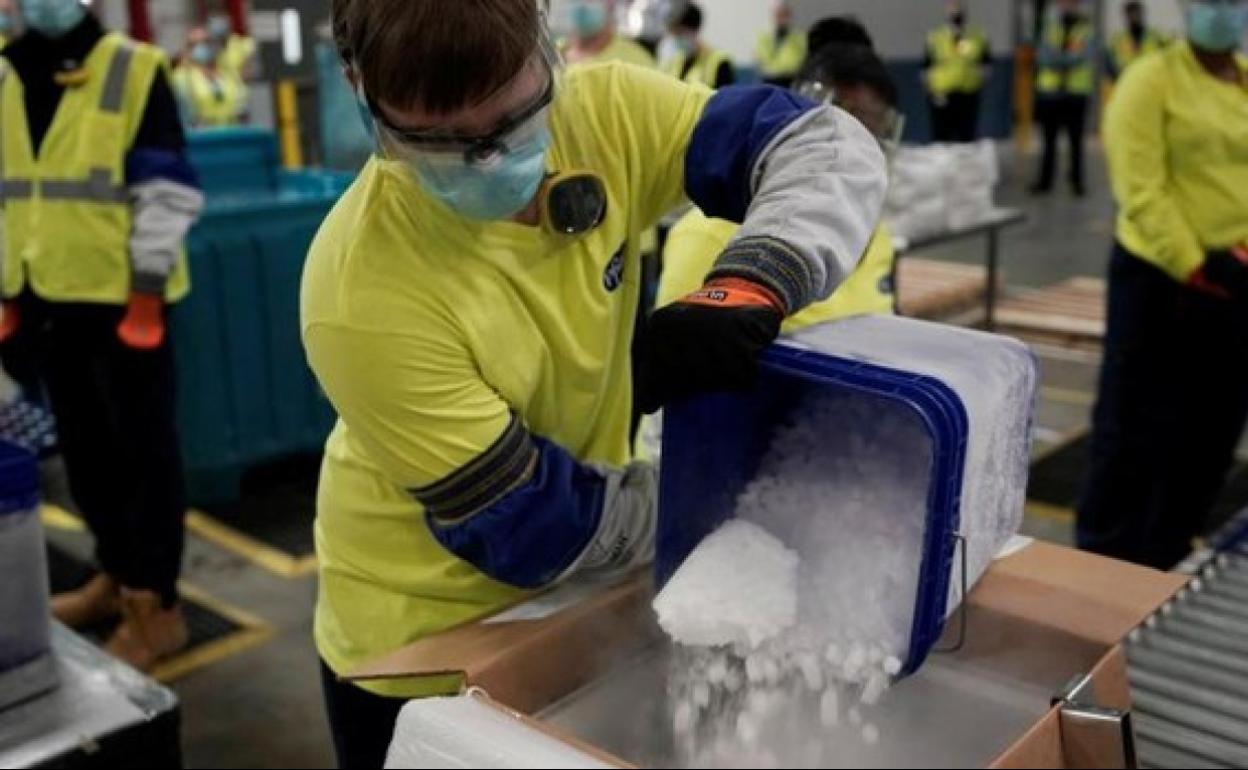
[(713, 445), (236, 160), (246, 395)]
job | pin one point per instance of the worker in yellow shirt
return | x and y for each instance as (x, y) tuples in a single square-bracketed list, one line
[(235, 52), (1173, 396), (470, 306), (955, 70), (857, 79), (696, 62), (1064, 83), (595, 38), (781, 51), (98, 197), (210, 98), (1134, 40)]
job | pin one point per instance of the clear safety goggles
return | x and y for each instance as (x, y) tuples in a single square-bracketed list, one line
[(516, 130), (890, 121)]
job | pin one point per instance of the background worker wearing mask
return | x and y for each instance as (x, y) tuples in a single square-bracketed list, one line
[(235, 52), (781, 51), (955, 68), (853, 76), (1065, 81), (471, 317), (1134, 40), (695, 61), (209, 96), (594, 36), (1174, 384), (98, 195)]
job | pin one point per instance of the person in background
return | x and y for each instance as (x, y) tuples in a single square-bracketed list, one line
[(696, 62), (210, 98), (595, 38), (8, 22), (470, 305), (98, 198), (954, 71), (781, 51), (1064, 84), (1173, 394), (236, 52), (236, 57), (1134, 40), (845, 72)]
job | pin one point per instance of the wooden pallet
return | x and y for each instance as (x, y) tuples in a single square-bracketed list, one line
[(1071, 312), (937, 290)]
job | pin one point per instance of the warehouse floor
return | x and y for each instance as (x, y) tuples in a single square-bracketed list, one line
[(261, 707)]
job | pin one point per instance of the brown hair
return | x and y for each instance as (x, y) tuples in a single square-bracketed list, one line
[(439, 55)]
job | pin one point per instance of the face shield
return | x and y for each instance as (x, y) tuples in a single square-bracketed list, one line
[(884, 121)]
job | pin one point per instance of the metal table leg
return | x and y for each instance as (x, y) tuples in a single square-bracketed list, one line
[(990, 294)]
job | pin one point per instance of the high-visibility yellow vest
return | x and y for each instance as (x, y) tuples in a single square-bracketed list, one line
[(957, 61), (783, 58), (1076, 80), (67, 213), (212, 98), (1125, 51), (704, 68)]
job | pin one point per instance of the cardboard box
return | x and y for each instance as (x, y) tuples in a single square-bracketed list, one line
[(1035, 620)]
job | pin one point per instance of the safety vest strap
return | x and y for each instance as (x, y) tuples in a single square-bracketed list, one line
[(113, 94)]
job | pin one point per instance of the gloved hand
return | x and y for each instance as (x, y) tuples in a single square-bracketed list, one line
[(710, 340), (10, 320), (143, 328), (1224, 274)]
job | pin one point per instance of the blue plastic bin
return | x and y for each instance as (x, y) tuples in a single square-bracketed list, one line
[(246, 394), (238, 159), (964, 398)]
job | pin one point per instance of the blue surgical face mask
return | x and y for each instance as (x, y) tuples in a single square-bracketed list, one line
[(1217, 27), (52, 18), (589, 17), (202, 54), (6, 22), (496, 190), (219, 27), (686, 44)]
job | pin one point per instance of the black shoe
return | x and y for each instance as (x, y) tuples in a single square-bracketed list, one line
[(1040, 189)]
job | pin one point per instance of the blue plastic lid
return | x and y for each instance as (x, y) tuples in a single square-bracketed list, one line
[(19, 480)]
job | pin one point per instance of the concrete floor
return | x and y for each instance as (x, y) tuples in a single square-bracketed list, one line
[(262, 708)]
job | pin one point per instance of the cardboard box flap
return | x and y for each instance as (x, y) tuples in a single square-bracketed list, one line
[(1097, 599), (560, 653)]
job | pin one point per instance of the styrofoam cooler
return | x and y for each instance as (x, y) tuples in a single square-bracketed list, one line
[(964, 397), (26, 665)]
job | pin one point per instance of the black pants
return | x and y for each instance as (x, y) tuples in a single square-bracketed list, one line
[(115, 415), (1172, 406), (1062, 114), (362, 723), (957, 120)]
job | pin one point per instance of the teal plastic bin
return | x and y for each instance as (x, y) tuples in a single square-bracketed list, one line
[(246, 395)]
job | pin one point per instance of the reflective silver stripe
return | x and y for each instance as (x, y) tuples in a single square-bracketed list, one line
[(97, 188), (16, 189), (115, 83)]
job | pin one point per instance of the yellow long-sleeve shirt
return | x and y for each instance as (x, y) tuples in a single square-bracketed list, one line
[(1176, 139)]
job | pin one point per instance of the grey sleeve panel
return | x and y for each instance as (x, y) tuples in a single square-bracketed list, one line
[(819, 188), (626, 533), (163, 212)]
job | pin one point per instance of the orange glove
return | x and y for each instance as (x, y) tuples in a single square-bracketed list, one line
[(11, 320), (143, 328)]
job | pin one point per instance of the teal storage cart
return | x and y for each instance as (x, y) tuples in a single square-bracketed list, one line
[(246, 395)]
